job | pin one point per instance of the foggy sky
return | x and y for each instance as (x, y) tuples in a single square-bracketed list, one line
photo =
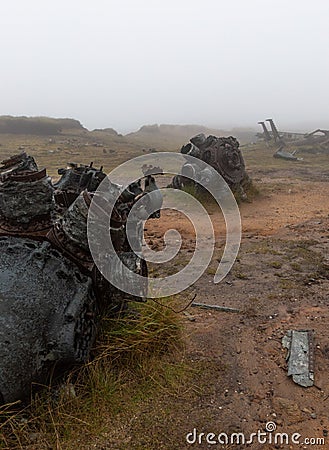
[(122, 64)]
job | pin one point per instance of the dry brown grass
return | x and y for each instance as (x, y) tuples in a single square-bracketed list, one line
[(135, 360)]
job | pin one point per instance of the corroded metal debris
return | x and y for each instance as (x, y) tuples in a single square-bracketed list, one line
[(300, 356), (26, 198), (223, 154), (284, 154), (74, 180), (315, 142), (216, 307), (51, 293)]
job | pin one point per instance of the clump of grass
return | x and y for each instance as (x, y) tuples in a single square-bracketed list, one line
[(241, 275), (247, 191), (286, 283), (276, 264), (296, 266), (134, 358), (264, 248), (200, 193), (251, 190), (128, 342), (211, 270)]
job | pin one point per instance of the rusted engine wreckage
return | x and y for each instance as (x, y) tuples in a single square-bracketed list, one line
[(223, 154), (51, 293)]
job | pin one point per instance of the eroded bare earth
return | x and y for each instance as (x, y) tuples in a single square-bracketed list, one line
[(279, 282)]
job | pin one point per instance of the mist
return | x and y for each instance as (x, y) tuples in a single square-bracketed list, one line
[(129, 63)]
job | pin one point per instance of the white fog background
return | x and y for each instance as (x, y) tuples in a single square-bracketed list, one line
[(126, 63)]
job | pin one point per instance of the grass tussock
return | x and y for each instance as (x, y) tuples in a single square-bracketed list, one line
[(136, 359), (151, 332), (247, 191)]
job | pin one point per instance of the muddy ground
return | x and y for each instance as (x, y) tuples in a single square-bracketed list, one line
[(279, 282)]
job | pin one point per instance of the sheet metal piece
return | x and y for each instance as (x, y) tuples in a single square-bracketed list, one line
[(284, 154), (300, 356), (217, 307)]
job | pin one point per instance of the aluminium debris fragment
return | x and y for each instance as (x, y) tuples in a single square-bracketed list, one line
[(300, 356)]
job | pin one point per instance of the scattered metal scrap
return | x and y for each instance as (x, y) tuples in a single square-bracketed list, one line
[(290, 156), (316, 141), (216, 307), (319, 136), (300, 356)]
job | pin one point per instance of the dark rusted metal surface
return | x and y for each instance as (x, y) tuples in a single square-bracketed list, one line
[(74, 180), (44, 314), (18, 163), (51, 293), (222, 153), (26, 198)]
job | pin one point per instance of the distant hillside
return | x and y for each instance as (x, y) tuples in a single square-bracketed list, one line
[(40, 126), (110, 131), (160, 136)]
